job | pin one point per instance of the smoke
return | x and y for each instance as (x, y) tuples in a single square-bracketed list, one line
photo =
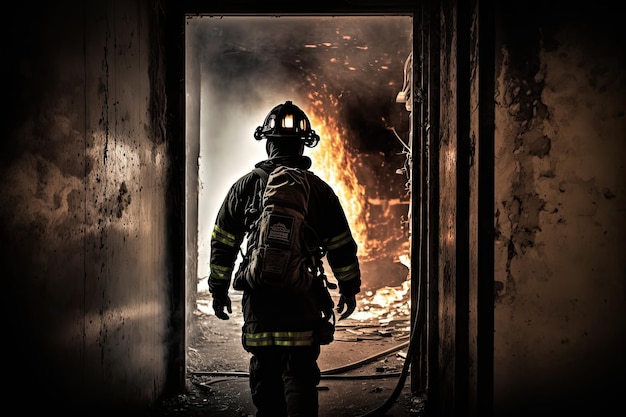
[(249, 64)]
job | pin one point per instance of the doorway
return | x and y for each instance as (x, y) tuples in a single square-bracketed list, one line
[(351, 75)]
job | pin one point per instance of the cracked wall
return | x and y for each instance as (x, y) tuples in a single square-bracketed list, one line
[(560, 204)]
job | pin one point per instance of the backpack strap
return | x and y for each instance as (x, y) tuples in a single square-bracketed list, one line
[(251, 211), (261, 173)]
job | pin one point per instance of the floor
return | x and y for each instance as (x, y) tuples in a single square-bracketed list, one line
[(228, 397), (361, 370)]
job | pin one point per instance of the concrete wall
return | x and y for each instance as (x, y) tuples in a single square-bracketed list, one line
[(558, 147), (560, 322), (85, 205)]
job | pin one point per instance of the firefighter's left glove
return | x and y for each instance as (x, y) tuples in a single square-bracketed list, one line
[(221, 301), (346, 305)]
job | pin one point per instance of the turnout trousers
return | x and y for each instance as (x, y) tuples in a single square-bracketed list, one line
[(283, 380)]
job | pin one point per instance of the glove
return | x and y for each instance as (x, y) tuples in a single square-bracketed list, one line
[(221, 301), (346, 305)]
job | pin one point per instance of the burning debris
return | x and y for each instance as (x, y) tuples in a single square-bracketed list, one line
[(381, 314)]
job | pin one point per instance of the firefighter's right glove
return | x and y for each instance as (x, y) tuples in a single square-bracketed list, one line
[(346, 305), (222, 301)]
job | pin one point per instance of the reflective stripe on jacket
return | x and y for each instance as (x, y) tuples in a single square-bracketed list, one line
[(326, 217), (288, 339)]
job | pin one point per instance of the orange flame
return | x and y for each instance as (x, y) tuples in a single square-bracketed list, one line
[(334, 163)]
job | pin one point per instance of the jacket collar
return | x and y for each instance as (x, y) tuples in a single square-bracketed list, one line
[(303, 162)]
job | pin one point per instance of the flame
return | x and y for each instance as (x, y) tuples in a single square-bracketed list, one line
[(335, 163)]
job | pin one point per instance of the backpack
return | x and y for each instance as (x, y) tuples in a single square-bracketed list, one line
[(283, 252), (282, 248)]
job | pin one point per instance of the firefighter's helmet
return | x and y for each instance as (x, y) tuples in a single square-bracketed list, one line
[(287, 121)]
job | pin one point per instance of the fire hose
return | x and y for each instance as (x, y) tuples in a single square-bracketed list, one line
[(384, 407), (331, 373)]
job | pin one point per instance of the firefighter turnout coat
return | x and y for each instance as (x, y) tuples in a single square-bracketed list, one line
[(276, 317)]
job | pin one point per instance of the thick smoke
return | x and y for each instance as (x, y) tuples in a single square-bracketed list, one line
[(352, 65)]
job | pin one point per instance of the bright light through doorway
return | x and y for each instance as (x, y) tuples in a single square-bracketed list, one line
[(350, 68)]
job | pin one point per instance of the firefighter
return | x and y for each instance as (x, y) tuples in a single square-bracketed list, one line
[(280, 328)]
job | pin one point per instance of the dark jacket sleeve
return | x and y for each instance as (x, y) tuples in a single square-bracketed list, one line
[(228, 233), (336, 237)]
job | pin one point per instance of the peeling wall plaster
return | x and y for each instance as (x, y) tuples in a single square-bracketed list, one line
[(560, 203)]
